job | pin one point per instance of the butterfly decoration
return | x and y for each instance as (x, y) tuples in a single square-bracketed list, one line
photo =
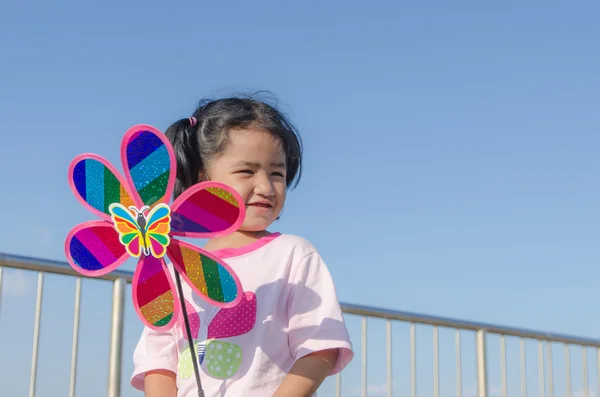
[(136, 221), (219, 358)]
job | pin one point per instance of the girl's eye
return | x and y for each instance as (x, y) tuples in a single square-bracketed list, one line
[(278, 174), (245, 172)]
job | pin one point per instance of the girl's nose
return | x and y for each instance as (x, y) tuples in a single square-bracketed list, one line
[(264, 187)]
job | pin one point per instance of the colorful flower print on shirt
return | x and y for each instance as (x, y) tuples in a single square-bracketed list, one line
[(218, 358)]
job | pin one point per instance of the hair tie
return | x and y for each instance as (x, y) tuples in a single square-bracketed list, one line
[(192, 121)]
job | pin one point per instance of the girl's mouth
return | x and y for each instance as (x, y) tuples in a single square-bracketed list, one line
[(262, 205)]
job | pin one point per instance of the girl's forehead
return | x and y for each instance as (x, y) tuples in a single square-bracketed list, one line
[(253, 143)]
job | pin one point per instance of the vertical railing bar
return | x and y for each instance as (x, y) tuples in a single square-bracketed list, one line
[(598, 369), (503, 364), (568, 369), (75, 340), (1, 268), (338, 384), (541, 380), (364, 357), (36, 334), (116, 338), (549, 369), (481, 364), (586, 385), (458, 364), (436, 363), (390, 388), (523, 367), (413, 360)]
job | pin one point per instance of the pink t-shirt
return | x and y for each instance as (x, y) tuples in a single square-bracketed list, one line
[(289, 309)]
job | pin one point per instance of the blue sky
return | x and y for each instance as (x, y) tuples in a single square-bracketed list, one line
[(451, 153)]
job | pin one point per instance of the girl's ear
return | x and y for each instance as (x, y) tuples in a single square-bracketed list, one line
[(203, 176)]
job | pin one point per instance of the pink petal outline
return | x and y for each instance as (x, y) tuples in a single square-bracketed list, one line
[(178, 267), (134, 285), (108, 165), (203, 186), (91, 273), (172, 171)]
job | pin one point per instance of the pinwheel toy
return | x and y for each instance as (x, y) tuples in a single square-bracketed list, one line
[(137, 222)]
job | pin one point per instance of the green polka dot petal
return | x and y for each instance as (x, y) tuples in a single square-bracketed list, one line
[(185, 367), (222, 359)]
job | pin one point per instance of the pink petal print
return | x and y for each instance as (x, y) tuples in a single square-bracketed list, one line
[(234, 321), (194, 320)]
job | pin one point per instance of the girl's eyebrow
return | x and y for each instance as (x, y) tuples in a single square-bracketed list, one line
[(251, 164)]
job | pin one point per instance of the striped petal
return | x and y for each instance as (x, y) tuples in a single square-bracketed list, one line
[(207, 210), (93, 248), (97, 184), (154, 296), (208, 276), (149, 164)]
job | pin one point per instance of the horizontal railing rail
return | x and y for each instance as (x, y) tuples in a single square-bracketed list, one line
[(120, 279), (58, 267), (55, 267)]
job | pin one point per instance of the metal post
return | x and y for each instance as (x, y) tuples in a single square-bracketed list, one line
[(75, 340), (1, 288), (389, 381), (481, 365), (364, 358), (568, 369), (586, 384), (36, 334), (458, 364), (503, 386), (116, 338), (549, 368), (523, 367), (413, 360), (542, 382), (598, 368), (436, 363)]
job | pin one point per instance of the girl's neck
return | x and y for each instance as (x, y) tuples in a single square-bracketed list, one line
[(235, 240)]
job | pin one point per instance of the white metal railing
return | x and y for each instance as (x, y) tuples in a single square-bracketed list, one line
[(120, 279)]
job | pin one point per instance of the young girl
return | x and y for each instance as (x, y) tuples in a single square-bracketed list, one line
[(287, 334)]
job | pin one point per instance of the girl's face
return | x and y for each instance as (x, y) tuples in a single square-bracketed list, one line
[(254, 165)]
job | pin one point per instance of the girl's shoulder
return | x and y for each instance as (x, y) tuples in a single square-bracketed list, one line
[(294, 247), (295, 242), (274, 245)]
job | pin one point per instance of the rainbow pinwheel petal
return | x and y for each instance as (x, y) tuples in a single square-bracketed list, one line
[(149, 164), (206, 210)]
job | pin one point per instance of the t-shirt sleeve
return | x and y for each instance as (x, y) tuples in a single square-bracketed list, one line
[(155, 350), (315, 318)]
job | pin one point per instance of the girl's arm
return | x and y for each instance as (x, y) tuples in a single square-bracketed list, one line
[(160, 383), (307, 374)]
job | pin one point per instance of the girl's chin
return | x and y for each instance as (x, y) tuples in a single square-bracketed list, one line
[(255, 227)]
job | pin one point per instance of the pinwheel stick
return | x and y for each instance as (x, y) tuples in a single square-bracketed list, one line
[(188, 332)]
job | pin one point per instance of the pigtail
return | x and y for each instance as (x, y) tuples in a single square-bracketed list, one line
[(183, 137)]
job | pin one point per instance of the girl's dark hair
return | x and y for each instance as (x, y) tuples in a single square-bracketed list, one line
[(195, 145)]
